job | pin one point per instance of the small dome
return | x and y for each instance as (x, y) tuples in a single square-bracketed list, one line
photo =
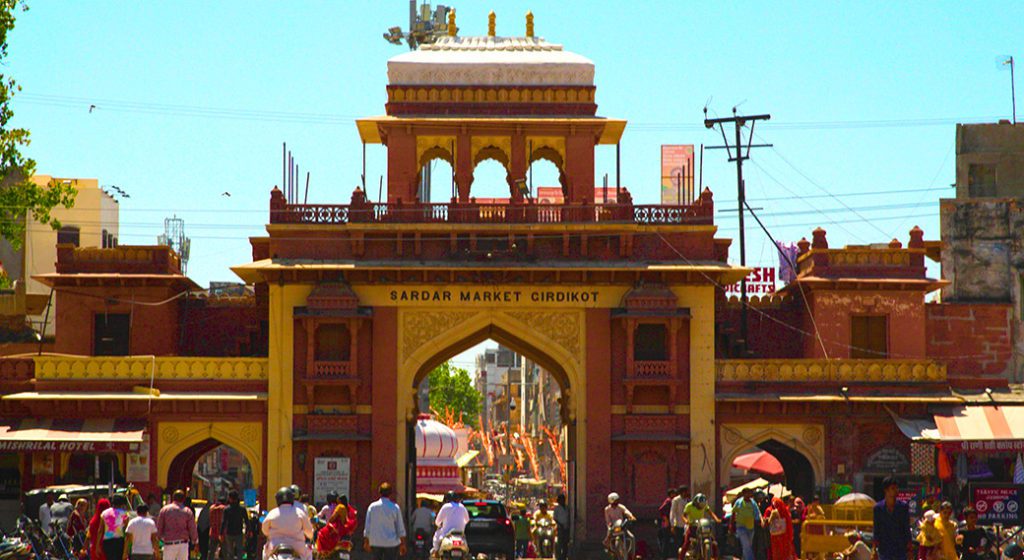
[(435, 440)]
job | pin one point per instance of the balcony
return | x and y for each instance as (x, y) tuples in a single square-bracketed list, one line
[(332, 370), (829, 371), (143, 368), (701, 212), (652, 369)]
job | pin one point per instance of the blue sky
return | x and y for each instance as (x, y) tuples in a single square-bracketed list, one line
[(194, 99)]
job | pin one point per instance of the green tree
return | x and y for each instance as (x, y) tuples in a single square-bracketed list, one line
[(19, 196), (451, 388)]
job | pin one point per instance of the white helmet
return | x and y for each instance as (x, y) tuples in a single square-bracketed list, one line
[(612, 498)]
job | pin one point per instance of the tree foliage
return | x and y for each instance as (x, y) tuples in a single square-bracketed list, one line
[(451, 388), (19, 196)]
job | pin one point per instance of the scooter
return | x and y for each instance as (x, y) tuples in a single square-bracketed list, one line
[(544, 536), (453, 546)]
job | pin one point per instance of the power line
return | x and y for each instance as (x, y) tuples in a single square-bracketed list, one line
[(144, 107)]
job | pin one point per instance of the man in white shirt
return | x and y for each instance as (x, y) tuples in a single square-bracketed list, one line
[(287, 525), (44, 514), (453, 517), (141, 537)]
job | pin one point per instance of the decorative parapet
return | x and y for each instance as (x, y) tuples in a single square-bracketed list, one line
[(831, 371), (142, 368), (133, 259)]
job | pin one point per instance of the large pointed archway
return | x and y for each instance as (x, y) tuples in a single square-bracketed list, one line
[(553, 339)]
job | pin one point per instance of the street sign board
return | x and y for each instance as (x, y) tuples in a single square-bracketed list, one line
[(331, 474), (998, 503)]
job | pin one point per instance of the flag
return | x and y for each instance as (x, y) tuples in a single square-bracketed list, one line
[(1018, 471)]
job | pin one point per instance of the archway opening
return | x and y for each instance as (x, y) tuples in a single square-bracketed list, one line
[(493, 423), (211, 469), (490, 178), (797, 472), (441, 186), (546, 177)]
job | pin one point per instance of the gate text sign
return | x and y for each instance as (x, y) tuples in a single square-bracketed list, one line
[(493, 296)]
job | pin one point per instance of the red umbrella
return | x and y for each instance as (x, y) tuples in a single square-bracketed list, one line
[(760, 462)]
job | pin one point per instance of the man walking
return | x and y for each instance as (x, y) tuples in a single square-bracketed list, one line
[(140, 540), (384, 533), (216, 520), (45, 516), (746, 514), (232, 529), (561, 514), (677, 517), (891, 524), (176, 527), (60, 513)]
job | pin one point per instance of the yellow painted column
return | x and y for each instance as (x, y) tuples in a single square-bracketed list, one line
[(703, 454), (280, 401)]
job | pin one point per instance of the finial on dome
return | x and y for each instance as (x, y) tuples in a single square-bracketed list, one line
[(529, 24), (451, 23), (491, 23)]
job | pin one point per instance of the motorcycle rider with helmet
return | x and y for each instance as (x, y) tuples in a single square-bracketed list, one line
[(452, 517), (696, 510), (287, 525), (613, 512), (541, 514)]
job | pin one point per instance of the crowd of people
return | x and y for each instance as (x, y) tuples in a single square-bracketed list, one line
[(769, 527)]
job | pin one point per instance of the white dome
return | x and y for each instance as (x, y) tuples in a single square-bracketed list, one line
[(435, 440)]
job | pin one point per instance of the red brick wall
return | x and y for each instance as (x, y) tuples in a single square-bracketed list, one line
[(222, 331), (155, 328), (974, 339)]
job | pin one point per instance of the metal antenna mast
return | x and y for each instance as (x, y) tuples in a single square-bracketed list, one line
[(738, 123)]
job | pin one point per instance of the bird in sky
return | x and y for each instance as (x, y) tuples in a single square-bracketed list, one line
[(91, 108), (226, 193)]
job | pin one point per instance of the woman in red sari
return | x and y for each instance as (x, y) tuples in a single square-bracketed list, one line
[(338, 527), (780, 526), (96, 530)]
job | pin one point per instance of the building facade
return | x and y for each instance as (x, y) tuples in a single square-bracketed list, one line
[(622, 304)]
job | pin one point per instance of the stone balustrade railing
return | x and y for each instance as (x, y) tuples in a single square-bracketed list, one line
[(830, 371), (142, 368)]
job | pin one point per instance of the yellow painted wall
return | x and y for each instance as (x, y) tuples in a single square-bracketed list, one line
[(703, 454), (280, 400), (93, 212)]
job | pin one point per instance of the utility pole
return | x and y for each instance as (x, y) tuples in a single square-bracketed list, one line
[(741, 198)]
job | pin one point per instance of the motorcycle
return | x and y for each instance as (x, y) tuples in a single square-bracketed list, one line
[(421, 545), (703, 545), (283, 552), (544, 538), (622, 542), (453, 546)]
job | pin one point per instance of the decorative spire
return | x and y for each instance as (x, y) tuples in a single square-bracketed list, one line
[(491, 23), (529, 24), (451, 23)]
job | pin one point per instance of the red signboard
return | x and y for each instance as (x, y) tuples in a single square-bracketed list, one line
[(992, 445), (761, 280), (68, 446), (997, 503)]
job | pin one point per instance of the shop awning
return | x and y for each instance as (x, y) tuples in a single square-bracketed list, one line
[(970, 428), (71, 435)]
